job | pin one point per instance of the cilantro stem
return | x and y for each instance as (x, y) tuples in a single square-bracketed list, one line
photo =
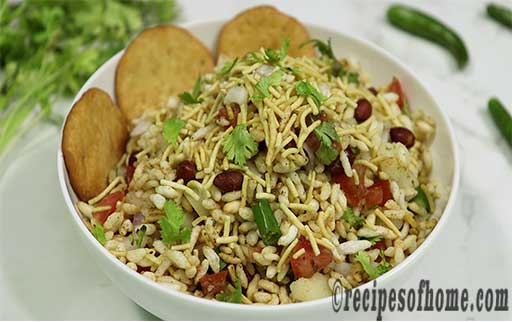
[(49, 48), (22, 109)]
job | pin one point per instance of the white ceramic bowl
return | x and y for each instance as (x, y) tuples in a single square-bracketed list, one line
[(168, 304)]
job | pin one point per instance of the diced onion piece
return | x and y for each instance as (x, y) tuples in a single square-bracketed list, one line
[(237, 94), (324, 89), (202, 132), (265, 70), (141, 126)]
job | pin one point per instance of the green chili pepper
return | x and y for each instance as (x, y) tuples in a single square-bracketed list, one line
[(502, 118), (266, 222), (428, 27), (500, 13)]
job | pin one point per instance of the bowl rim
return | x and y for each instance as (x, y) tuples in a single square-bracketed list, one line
[(122, 268)]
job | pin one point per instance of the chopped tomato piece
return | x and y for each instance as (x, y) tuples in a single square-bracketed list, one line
[(396, 87), (109, 200), (213, 283), (354, 193), (130, 170), (377, 194), (323, 259), (307, 264), (313, 142), (381, 244)]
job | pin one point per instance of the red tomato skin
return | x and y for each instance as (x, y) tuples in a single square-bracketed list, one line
[(396, 87), (213, 283), (381, 244), (109, 200), (377, 194), (307, 264), (322, 260), (354, 193), (130, 170)]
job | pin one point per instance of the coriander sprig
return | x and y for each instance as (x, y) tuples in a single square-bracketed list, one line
[(239, 145), (352, 219), (171, 129), (275, 56), (232, 297), (227, 67), (364, 259), (171, 224), (99, 233), (326, 134), (325, 49), (192, 98), (49, 48), (262, 87), (304, 88)]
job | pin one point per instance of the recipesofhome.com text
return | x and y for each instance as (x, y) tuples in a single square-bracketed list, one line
[(422, 298)]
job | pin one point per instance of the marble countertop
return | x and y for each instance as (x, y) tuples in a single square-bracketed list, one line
[(45, 272)]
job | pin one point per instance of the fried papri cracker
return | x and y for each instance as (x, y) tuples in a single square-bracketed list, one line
[(262, 26), (94, 140), (160, 62)]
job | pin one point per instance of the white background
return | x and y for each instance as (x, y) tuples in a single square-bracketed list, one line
[(46, 274)]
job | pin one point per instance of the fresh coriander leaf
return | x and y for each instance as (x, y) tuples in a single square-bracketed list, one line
[(171, 129), (227, 67), (184, 235), (326, 154), (170, 224), (99, 233), (188, 98), (232, 297), (140, 236), (264, 83), (337, 69), (294, 71), (275, 56), (364, 259), (324, 48), (352, 219), (253, 58), (197, 87), (375, 239), (239, 145), (383, 266), (326, 134), (353, 78), (222, 264), (304, 88), (49, 49)]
